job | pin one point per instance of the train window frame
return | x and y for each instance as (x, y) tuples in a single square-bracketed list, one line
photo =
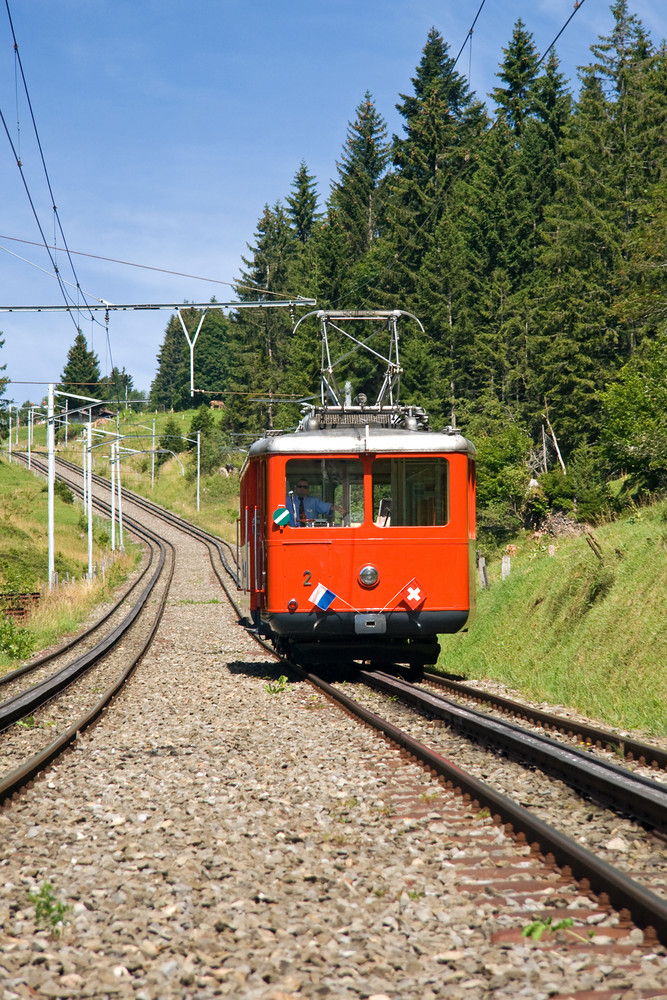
[(402, 495), (330, 481)]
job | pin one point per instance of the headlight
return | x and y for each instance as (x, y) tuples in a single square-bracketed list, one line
[(368, 576)]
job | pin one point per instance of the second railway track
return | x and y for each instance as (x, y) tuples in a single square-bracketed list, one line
[(204, 732)]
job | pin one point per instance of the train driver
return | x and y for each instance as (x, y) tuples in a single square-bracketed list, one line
[(304, 509)]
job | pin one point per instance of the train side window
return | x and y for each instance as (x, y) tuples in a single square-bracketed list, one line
[(321, 492), (410, 492)]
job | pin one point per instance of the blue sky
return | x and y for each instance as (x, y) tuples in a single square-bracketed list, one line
[(166, 127)]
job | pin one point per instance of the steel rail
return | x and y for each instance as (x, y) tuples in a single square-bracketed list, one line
[(41, 661), (646, 909), (18, 778), (28, 701), (166, 515), (624, 791), (631, 748)]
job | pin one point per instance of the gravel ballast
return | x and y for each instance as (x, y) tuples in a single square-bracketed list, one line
[(216, 839)]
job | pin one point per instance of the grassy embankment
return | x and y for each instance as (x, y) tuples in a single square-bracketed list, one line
[(24, 563), (174, 482), (576, 629), (23, 527), (568, 629)]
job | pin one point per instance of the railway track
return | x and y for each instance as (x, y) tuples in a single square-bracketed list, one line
[(530, 866), (644, 754), (76, 672), (621, 790)]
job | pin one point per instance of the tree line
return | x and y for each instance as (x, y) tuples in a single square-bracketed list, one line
[(530, 242)]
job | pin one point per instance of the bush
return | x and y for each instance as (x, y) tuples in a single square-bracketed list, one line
[(62, 491), (16, 642)]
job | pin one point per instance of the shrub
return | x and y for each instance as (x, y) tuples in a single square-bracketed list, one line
[(16, 642)]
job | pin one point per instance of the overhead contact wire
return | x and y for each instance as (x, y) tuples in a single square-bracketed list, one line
[(410, 243), (164, 270), (46, 172)]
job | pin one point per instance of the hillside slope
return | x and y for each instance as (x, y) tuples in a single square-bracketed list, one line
[(578, 628)]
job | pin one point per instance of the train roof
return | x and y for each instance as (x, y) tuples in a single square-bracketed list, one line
[(355, 440)]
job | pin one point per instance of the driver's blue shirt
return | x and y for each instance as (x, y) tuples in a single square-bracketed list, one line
[(313, 508)]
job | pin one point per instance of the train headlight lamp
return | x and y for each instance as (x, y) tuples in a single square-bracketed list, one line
[(368, 576), (292, 605)]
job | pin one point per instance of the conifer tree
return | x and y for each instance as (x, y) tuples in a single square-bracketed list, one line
[(302, 204), (116, 386), (81, 373), (442, 124), (260, 338), (355, 197), (590, 227), (355, 208), (516, 100), (167, 387)]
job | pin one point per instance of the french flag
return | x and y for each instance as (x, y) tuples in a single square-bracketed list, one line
[(413, 595), (321, 597)]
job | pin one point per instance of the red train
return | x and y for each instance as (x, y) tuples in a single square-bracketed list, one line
[(357, 532)]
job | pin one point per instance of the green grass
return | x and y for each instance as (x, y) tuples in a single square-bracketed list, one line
[(24, 563), (568, 630), (171, 488), (575, 631), (24, 532)]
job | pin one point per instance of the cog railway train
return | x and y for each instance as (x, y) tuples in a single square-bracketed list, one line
[(357, 530)]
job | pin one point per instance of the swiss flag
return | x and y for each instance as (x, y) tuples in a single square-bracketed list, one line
[(413, 595)]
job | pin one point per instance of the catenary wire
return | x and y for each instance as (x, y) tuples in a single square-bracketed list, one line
[(164, 270), (25, 260), (469, 160), (469, 35), (41, 154)]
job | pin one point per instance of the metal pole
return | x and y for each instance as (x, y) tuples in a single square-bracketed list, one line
[(29, 436), (89, 436), (66, 419), (153, 458), (10, 432), (50, 446), (113, 496), (84, 459), (120, 505), (198, 463)]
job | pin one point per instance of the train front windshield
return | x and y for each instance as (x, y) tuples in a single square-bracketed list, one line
[(404, 491), (410, 492), (322, 492)]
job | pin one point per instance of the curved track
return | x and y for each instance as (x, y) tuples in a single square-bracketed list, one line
[(647, 909)]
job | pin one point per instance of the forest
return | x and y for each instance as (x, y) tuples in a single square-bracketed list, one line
[(531, 242)]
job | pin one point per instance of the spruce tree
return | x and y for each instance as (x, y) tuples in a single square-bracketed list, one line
[(516, 100), (81, 374), (172, 377), (302, 204), (354, 204), (442, 125), (587, 263), (355, 209), (260, 339)]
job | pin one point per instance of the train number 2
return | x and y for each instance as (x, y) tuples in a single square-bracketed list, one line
[(306, 577)]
